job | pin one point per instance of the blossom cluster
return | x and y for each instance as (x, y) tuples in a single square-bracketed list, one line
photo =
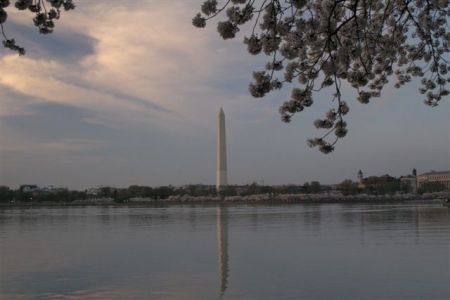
[(322, 43), (44, 18)]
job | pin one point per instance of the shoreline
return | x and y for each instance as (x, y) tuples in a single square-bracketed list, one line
[(264, 199)]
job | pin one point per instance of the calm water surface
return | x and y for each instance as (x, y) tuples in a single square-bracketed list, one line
[(329, 251)]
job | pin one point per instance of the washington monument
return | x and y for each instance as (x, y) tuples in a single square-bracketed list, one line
[(221, 163)]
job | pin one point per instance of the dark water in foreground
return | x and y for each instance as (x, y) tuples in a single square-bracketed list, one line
[(329, 251)]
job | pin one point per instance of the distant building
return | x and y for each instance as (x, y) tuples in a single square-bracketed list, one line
[(51, 189), (360, 180), (410, 181), (95, 191), (442, 177), (28, 188)]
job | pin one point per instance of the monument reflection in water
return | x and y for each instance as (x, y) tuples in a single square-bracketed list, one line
[(222, 247), (329, 251)]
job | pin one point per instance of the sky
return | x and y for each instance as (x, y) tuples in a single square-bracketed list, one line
[(127, 92)]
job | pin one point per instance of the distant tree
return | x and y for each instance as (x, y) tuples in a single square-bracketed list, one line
[(163, 192), (227, 191), (284, 189), (121, 195), (431, 187), (315, 187), (135, 191), (389, 187), (324, 43), (22, 196), (348, 187), (44, 17), (196, 190), (306, 188), (266, 189), (6, 194), (253, 188), (385, 184), (406, 187), (140, 191), (106, 191)]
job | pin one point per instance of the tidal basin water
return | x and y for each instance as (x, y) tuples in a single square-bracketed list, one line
[(328, 251)]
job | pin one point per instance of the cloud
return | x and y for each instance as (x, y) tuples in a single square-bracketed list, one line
[(60, 146), (49, 129), (147, 65), (13, 103)]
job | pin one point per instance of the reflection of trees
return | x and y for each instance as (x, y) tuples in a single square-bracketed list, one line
[(261, 216), (193, 219), (222, 247), (313, 217), (3, 218), (105, 215), (145, 217), (371, 218), (433, 215), (33, 218)]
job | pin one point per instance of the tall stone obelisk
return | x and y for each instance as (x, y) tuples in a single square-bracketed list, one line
[(221, 163)]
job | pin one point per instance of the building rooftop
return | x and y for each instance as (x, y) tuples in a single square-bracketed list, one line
[(436, 173)]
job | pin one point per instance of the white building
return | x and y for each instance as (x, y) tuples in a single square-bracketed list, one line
[(442, 177)]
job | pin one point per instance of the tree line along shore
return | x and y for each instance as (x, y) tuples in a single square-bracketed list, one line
[(310, 192)]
